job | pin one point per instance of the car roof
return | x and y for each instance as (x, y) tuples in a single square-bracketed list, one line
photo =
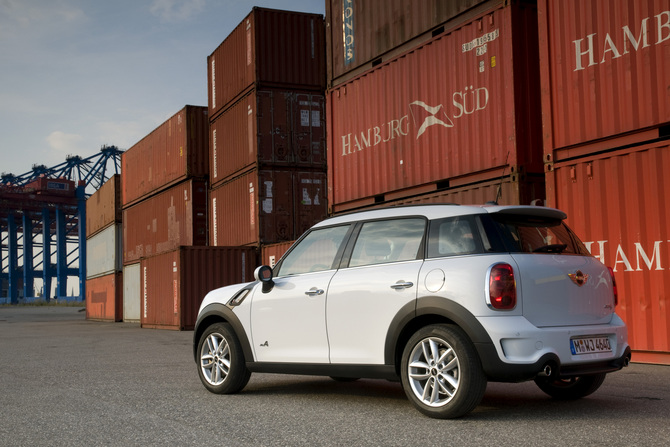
[(439, 211)]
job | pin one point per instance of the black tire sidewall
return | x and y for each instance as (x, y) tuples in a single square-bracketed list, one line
[(238, 375), (472, 379)]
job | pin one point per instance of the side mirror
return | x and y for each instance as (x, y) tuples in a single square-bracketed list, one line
[(264, 275)]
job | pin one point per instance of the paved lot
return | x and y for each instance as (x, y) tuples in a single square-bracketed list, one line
[(68, 381)]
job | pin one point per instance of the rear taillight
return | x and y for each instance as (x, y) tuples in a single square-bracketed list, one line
[(614, 289), (502, 287)]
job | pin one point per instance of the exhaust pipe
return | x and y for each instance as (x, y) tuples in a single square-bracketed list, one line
[(546, 371), (626, 361)]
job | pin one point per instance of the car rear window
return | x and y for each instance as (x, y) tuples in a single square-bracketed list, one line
[(528, 234)]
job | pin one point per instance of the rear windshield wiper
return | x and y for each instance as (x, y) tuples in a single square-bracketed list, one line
[(552, 248)]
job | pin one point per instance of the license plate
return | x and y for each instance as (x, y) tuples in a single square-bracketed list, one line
[(590, 345)]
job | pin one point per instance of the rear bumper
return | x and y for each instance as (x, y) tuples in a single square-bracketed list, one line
[(527, 351)]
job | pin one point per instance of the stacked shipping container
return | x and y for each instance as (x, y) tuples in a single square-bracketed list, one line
[(267, 129), (606, 119), (460, 109), (168, 267), (104, 282)]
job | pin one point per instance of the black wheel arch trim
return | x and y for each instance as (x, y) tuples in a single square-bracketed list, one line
[(440, 307), (217, 312)]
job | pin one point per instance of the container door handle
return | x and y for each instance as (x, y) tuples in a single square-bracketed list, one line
[(402, 285), (314, 292)]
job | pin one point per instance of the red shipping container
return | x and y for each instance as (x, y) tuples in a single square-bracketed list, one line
[(507, 191), (103, 208), (266, 206), (605, 69), (272, 253), (175, 283), (52, 187), (269, 48), (176, 150), (161, 223), (360, 33), (464, 103), (104, 298), (617, 202), (269, 128)]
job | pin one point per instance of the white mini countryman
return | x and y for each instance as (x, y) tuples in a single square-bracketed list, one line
[(442, 298)]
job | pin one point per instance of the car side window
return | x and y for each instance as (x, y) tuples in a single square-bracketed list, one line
[(315, 252), (388, 241), (454, 236)]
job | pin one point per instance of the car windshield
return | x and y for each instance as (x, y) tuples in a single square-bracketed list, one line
[(528, 234)]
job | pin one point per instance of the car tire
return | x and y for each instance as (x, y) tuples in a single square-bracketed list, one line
[(441, 372), (221, 364), (572, 388)]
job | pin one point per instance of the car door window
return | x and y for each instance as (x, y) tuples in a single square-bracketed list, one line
[(385, 241), (454, 236), (315, 252)]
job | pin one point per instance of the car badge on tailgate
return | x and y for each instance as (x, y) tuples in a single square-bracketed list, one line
[(578, 277)]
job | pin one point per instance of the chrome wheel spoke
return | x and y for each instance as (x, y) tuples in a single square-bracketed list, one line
[(215, 359), (433, 371)]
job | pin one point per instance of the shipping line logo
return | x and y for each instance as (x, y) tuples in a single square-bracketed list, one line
[(421, 117)]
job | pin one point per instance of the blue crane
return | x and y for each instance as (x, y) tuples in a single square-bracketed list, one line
[(43, 226)]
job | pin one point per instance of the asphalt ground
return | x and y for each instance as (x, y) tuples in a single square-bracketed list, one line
[(66, 381)]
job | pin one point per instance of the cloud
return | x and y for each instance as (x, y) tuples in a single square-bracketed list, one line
[(64, 143), (176, 10)]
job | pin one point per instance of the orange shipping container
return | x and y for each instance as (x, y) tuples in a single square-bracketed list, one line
[(176, 150), (104, 298), (175, 217), (618, 204), (269, 128), (266, 206), (270, 254), (605, 69), (103, 208), (361, 34), (269, 48), (466, 102), (175, 283)]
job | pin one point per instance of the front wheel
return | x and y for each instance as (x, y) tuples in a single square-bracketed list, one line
[(222, 368), (572, 388), (441, 372)]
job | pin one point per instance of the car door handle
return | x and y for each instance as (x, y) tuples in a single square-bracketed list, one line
[(314, 292), (402, 285)]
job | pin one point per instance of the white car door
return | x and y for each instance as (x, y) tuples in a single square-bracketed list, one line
[(381, 277), (288, 323)]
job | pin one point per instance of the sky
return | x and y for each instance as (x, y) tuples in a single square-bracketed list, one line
[(79, 74)]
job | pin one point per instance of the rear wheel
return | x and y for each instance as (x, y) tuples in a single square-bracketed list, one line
[(222, 368), (572, 388), (441, 372)]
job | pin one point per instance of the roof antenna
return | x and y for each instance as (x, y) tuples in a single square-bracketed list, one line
[(502, 177)]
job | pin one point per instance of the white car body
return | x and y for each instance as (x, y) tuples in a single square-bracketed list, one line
[(351, 320)]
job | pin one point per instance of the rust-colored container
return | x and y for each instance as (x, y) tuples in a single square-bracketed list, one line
[(508, 190), (104, 252), (270, 48), (103, 208), (59, 187), (618, 204), (175, 217), (361, 34), (176, 150), (605, 68), (271, 253), (266, 206), (464, 103), (174, 283), (269, 127), (104, 298)]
